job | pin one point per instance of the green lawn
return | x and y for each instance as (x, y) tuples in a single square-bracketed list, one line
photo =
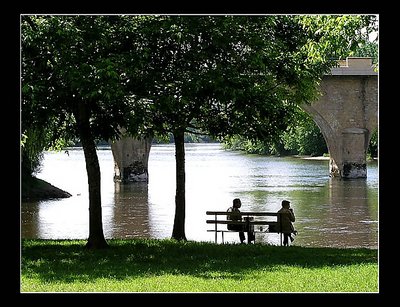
[(170, 266)]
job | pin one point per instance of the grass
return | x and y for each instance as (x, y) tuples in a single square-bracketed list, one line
[(150, 265)]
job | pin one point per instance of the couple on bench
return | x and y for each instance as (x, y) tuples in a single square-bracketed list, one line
[(287, 217)]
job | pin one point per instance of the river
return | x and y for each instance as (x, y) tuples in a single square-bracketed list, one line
[(329, 212)]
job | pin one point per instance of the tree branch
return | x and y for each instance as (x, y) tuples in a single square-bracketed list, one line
[(196, 130), (31, 23)]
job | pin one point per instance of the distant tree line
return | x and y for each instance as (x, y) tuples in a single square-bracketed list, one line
[(302, 137)]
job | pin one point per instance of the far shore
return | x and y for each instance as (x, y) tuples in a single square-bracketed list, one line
[(321, 158), (312, 158)]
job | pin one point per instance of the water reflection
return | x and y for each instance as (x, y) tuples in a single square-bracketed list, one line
[(342, 214), (55, 219), (30, 220), (352, 212), (130, 211)]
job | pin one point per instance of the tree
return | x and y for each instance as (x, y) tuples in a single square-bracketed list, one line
[(208, 74), (73, 86), (227, 75)]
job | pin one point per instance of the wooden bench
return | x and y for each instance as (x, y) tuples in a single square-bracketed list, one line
[(249, 221)]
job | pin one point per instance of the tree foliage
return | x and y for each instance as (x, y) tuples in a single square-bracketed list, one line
[(301, 137), (222, 74), (304, 137), (68, 61)]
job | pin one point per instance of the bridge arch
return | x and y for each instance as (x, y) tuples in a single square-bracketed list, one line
[(347, 115)]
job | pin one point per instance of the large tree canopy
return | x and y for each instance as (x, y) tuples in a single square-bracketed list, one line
[(214, 73), (222, 74)]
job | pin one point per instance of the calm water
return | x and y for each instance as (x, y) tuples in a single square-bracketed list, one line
[(329, 212)]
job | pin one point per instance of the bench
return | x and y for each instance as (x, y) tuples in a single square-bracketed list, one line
[(249, 221)]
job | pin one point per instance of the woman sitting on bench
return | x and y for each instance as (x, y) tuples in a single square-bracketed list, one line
[(287, 217)]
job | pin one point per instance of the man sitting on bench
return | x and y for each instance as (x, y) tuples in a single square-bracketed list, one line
[(237, 217)]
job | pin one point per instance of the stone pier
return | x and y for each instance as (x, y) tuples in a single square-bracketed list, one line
[(347, 114), (131, 157)]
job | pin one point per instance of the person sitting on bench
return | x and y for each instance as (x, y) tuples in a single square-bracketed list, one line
[(237, 217), (287, 217)]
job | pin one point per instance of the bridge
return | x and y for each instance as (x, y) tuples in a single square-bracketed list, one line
[(346, 113)]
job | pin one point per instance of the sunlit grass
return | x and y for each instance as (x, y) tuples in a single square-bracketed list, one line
[(171, 266)]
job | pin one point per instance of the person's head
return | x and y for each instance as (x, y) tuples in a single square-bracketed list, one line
[(285, 204), (237, 203)]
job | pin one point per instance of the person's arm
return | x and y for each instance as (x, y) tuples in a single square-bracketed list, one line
[(291, 215)]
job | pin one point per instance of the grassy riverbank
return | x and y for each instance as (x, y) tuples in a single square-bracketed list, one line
[(170, 266)]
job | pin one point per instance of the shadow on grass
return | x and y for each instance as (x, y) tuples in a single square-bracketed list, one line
[(69, 261)]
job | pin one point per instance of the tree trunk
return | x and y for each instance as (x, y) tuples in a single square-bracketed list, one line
[(96, 238), (178, 232)]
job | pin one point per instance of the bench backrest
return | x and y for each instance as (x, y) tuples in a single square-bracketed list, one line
[(274, 226), (243, 213)]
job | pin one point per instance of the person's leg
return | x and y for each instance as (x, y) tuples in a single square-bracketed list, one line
[(251, 236), (241, 236), (285, 239)]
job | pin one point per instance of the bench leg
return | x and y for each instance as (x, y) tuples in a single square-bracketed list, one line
[(222, 233)]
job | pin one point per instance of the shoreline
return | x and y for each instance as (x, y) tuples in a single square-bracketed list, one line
[(322, 158)]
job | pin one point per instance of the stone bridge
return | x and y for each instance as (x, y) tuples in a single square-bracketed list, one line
[(346, 113), (131, 157)]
